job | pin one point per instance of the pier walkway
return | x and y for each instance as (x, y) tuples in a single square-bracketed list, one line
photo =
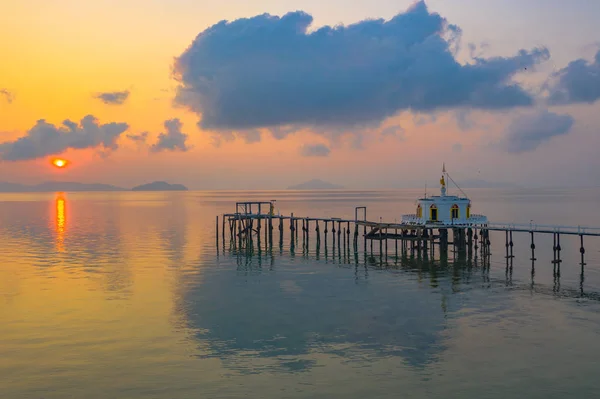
[(250, 218)]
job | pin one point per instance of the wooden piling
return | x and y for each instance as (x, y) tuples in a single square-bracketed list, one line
[(532, 246), (333, 232), (348, 235), (582, 252), (223, 230), (380, 241), (270, 230), (443, 240), (217, 231), (386, 243), (303, 232), (280, 231), (317, 230), (558, 249), (340, 237), (307, 230)]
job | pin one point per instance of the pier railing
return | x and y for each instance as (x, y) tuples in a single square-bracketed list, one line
[(473, 221), (544, 228)]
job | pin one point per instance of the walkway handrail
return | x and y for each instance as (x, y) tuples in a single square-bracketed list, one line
[(536, 227)]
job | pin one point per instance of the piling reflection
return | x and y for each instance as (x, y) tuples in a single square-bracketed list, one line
[(279, 319)]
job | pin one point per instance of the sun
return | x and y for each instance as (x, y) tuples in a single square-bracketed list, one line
[(60, 163)]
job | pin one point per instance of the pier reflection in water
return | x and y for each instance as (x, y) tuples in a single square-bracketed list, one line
[(280, 319), (126, 295)]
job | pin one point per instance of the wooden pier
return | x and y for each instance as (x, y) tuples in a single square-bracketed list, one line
[(255, 221)]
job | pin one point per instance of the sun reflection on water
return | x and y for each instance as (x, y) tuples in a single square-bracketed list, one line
[(60, 221)]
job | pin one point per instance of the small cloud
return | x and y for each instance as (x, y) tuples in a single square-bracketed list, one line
[(45, 139), (420, 120), (357, 141), (173, 140), (8, 95), (315, 150), (463, 119), (395, 131), (250, 136), (138, 138), (578, 82), (457, 147), (477, 51), (526, 133), (281, 132), (114, 97)]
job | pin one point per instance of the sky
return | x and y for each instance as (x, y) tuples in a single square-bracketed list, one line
[(270, 93)]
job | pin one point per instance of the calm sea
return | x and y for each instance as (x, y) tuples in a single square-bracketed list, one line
[(126, 295)]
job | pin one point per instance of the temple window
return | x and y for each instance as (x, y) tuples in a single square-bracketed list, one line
[(433, 213), (454, 212)]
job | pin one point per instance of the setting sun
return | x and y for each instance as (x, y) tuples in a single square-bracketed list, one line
[(60, 163)]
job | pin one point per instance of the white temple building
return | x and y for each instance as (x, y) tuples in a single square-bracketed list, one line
[(450, 210)]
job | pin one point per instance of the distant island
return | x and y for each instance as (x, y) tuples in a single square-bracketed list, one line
[(6, 187), (315, 184), (160, 186)]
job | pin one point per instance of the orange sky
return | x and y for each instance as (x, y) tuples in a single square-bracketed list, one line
[(57, 55)]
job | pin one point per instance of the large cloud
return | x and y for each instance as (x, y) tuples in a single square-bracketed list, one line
[(578, 82), (114, 97), (173, 140), (46, 139), (268, 71), (528, 132)]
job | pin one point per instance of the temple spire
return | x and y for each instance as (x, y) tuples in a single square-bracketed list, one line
[(443, 181)]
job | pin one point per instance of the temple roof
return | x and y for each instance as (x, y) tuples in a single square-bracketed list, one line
[(445, 198)]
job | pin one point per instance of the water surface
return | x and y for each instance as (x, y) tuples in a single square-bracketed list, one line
[(127, 295)]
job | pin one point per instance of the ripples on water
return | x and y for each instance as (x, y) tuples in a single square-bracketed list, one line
[(126, 295)]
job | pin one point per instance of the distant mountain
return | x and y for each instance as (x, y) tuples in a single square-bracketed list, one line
[(160, 186), (315, 184), (55, 186)]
